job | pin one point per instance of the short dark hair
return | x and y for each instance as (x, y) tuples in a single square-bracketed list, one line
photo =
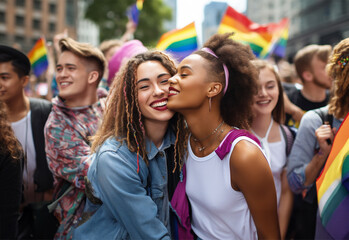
[(19, 60)]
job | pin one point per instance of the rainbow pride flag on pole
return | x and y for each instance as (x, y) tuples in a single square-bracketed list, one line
[(333, 186), (264, 40), (179, 42), (38, 57)]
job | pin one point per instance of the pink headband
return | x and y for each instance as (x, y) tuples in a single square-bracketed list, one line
[(226, 72)]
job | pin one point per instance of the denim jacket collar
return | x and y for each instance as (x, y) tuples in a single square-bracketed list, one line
[(169, 139)]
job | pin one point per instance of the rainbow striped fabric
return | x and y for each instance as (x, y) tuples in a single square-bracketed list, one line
[(38, 57), (179, 42), (333, 186), (264, 40)]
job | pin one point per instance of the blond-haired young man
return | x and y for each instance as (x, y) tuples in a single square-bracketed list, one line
[(75, 115)]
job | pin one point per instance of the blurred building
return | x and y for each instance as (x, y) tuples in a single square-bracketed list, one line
[(267, 11), (312, 21), (87, 31), (23, 22), (170, 25), (213, 13)]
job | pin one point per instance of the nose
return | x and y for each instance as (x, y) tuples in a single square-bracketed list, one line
[(158, 90), (172, 80), (261, 92), (62, 73)]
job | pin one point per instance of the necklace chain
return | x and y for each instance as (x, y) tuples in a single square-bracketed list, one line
[(212, 133)]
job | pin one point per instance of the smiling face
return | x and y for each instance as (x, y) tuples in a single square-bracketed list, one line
[(268, 93), (152, 89), (11, 85), (72, 78), (188, 87)]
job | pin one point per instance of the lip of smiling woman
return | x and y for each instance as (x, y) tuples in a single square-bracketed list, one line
[(263, 102), (172, 91), (160, 105)]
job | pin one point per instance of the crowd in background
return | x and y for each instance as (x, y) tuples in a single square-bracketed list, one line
[(127, 143)]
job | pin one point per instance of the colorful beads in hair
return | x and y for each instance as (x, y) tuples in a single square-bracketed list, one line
[(343, 61), (131, 123)]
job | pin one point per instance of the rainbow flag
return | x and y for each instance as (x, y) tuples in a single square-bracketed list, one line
[(264, 40), (38, 57), (333, 186), (179, 42), (134, 11), (280, 37)]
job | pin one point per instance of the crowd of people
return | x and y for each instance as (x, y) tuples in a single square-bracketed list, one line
[(131, 144)]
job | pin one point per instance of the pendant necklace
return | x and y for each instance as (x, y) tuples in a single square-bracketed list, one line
[(213, 132)]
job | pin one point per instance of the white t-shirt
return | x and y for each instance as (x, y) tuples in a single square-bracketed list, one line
[(278, 162), (218, 211), (23, 132)]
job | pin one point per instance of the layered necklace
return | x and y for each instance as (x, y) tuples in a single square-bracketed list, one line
[(197, 141)]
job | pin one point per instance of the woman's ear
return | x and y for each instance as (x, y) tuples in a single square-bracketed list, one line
[(214, 89)]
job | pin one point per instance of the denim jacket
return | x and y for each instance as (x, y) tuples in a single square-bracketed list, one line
[(133, 203)]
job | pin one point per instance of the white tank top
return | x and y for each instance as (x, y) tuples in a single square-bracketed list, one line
[(218, 211), (276, 154)]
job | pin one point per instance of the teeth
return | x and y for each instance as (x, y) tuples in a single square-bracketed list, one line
[(263, 102), (159, 104), (173, 92), (64, 84)]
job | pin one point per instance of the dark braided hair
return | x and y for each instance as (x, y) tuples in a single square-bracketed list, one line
[(236, 104), (123, 119)]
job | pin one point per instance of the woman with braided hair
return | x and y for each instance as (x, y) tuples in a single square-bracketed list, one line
[(11, 157), (137, 158), (229, 182)]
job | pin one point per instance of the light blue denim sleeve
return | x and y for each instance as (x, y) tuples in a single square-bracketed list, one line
[(303, 151), (123, 193)]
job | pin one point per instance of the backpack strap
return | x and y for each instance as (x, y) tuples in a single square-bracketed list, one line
[(324, 115), (289, 138), (225, 146)]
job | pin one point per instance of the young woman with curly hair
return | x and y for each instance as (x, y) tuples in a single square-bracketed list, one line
[(11, 157), (229, 182), (138, 157)]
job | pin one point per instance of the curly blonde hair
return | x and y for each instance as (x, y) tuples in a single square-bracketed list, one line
[(9, 143), (339, 103)]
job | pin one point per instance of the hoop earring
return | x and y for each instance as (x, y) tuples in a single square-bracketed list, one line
[(209, 103)]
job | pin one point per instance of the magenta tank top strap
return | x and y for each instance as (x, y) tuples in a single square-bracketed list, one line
[(225, 146)]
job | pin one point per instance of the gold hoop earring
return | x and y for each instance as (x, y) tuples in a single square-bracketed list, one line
[(209, 103)]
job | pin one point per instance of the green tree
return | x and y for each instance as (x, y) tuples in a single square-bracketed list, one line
[(110, 16)]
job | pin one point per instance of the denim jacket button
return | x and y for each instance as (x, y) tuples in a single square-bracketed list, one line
[(161, 154)]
